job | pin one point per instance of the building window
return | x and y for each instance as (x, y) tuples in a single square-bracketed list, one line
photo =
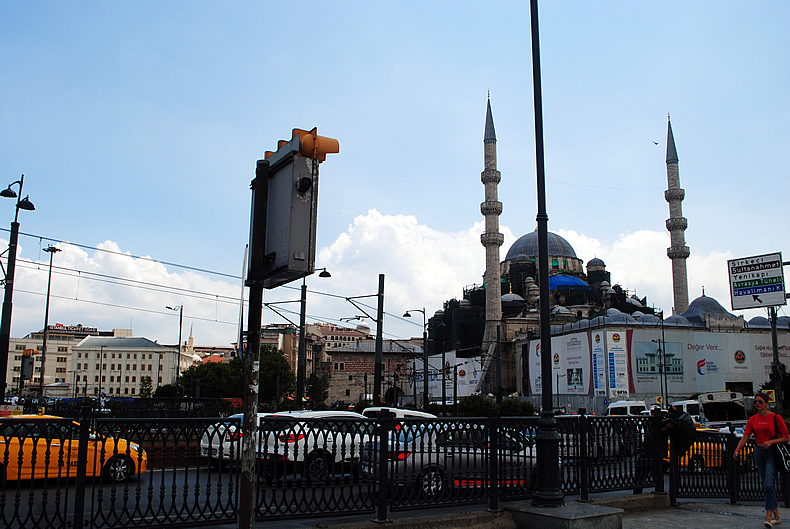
[(79, 366), (112, 367), (62, 349), (113, 355), (350, 378), (126, 390), (20, 347), (348, 393), (112, 379), (132, 391), (340, 366)]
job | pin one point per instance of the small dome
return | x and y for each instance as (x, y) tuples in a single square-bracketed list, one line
[(363, 327), (529, 280), (619, 317), (759, 321), (465, 304), (677, 320), (612, 311), (605, 284), (560, 310), (637, 314), (634, 302), (649, 319), (595, 262), (584, 324), (534, 288), (783, 321), (511, 297), (610, 291)]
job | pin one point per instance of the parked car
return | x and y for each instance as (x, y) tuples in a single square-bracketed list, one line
[(221, 442), (451, 455), (399, 413), (709, 452), (314, 444), (45, 446)]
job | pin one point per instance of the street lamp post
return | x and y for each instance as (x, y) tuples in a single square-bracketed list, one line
[(180, 310), (101, 368), (301, 361), (424, 356), (52, 250), (5, 324)]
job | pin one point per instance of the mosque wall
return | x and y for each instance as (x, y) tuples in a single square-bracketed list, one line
[(617, 363)]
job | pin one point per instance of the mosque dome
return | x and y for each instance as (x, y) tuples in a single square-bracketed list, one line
[(527, 245), (649, 319), (759, 321), (706, 306), (510, 297), (595, 262), (363, 328), (677, 320)]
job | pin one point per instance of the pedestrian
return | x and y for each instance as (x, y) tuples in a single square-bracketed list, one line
[(768, 429), (679, 426)]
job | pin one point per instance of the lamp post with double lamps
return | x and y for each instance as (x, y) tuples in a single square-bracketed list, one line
[(424, 354), (5, 324), (52, 250), (180, 310)]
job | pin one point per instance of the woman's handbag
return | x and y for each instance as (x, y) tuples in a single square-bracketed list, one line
[(781, 450)]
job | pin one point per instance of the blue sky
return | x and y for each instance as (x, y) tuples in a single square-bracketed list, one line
[(138, 124)]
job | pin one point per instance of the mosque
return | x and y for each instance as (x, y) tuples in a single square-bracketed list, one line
[(607, 343)]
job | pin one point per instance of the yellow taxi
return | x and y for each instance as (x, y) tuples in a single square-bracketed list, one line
[(710, 454), (45, 446)]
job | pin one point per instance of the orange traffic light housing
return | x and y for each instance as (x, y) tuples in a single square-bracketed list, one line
[(311, 145)]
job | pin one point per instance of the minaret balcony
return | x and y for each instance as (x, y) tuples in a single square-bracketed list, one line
[(492, 239), (490, 176), (491, 208), (674, 194), (678, 252), (677, 223)]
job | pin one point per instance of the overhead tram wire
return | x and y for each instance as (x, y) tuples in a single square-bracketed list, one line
[(125, 307), (166, 289)]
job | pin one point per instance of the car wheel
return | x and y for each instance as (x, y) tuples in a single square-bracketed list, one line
[(118, 469), (430, 484), (316, 469), (696, 464)]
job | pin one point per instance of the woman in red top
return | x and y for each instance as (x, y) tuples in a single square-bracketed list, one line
[(768, 428)]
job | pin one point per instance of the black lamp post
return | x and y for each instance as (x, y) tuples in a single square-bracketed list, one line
[(5, 325), (301, 360), (547, 439), (424, 356), (52, 250), (180, 310)]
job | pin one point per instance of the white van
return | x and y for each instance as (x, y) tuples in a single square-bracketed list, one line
[(692, 407), (626, 407)]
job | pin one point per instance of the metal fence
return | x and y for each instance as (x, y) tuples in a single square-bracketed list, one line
[(103, 473)]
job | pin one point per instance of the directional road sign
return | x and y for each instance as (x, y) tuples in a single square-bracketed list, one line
[(757, 281)]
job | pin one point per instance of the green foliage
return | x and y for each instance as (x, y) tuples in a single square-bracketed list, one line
[(167, 391), (516, 408), (317, 389), (475, 406), (219, 380), (274, 374), (146, 387)]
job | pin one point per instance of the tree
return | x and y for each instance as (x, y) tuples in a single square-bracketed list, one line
[(317, 388), (146, 387), (275, 374), (222, 380)]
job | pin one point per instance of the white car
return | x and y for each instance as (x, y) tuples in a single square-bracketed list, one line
[(221, 442), (314, 444)]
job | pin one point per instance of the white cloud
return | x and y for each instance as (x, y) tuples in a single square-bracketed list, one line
[(423, 267)]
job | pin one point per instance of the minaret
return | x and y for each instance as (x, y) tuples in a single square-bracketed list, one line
[(491, 239), (676, 224)]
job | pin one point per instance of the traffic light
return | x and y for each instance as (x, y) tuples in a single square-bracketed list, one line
[(311, 145), (27, 364)]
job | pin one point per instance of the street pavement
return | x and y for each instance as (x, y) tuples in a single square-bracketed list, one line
[(706, 513)]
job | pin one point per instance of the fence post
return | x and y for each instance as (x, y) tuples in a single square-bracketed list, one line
[(82, 466), (493, 459), (673, 473), (386, 423), (733, 476), (583, 432), (657, 450)]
